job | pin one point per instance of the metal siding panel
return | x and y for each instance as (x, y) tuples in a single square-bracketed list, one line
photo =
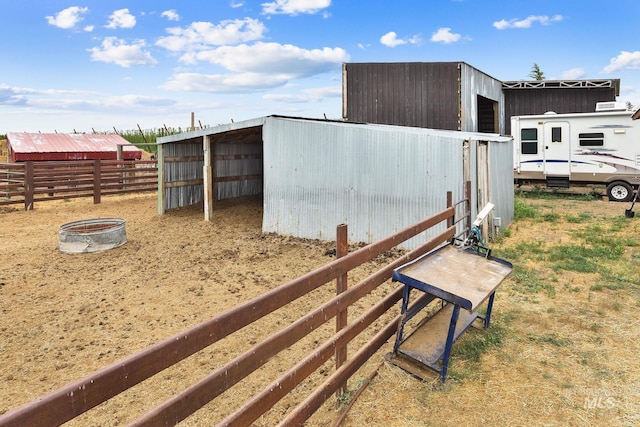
[(378, 180), (474, 83), (175, 197), (192, 146), (406, 94), (519, 102), (237, 167), (501, 153)]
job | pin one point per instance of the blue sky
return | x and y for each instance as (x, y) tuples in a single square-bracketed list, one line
[(99, 65)]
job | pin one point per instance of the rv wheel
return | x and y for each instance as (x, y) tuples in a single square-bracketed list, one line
[(619, 191)]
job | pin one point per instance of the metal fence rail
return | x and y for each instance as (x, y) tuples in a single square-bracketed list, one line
[(30, 182), (80, 396)]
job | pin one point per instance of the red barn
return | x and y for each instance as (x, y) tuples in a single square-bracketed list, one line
[(22, 146)]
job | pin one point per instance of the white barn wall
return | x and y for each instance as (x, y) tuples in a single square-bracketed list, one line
[(376, 179)]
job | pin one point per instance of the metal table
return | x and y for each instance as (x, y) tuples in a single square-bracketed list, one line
[(461, 278)]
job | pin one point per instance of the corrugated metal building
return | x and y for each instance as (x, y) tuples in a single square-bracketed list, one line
[(438, 95), (22, 146), (457, 96), (560, 96), (316, 174)]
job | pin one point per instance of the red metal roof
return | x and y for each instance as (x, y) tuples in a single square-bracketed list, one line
[(58, 146)]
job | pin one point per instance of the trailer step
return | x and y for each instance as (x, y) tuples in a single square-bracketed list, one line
[(557, 182)]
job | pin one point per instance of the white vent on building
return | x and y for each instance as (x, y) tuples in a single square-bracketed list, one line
[(611, 106)]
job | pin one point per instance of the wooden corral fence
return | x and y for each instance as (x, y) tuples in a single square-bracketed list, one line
[(78, 397), (34, 181)]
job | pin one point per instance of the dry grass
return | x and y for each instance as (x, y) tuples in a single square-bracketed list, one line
[(562, 349), (568, 339)]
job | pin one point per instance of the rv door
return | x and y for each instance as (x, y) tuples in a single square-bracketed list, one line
[(557, 148)]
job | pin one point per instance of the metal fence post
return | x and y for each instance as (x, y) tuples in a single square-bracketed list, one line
[(342, 249), (96, 181), (28, 186)]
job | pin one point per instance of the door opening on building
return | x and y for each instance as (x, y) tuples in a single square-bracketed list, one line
[(487, 115)]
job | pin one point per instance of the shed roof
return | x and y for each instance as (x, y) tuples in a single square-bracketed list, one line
[(24, 146), (257, 123)]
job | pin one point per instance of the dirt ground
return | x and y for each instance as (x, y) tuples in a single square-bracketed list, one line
[(567, 357)]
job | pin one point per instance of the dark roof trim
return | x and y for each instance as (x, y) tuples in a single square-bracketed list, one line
[(563, 84)]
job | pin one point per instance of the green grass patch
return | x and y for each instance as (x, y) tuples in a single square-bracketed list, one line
[(523, 210), (539, 193), (552, 339), (578, 219), (550, 217), (468, 349), (529, 282), (583, 258)]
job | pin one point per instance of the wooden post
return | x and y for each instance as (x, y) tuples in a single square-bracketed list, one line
[(144, 138), (342, 249), (469, 212), (208, 180), (449, 204), (96, 182), (28, 186), (451, 218)]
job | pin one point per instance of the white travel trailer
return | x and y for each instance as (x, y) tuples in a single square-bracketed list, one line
[(602, 147)]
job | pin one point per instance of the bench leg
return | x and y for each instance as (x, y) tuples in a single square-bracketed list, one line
[(449, 344), (487, 316), (405, 303)]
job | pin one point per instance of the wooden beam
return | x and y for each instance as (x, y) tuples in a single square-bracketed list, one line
[(208, 179)]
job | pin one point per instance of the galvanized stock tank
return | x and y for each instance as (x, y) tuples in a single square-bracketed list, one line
[(92, 235)]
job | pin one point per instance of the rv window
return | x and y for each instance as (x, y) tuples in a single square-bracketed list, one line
[(529, 141), (591, 139), (556, 134)]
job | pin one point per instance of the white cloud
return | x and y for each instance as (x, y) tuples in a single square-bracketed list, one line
[(573, 74), (294, 7), (116, 51), (273, 59), (68, 18), (121, 19), (625, 60), (236, 5), (200, 35), (257, 67), (88, 28), (527, 22), (75, 100), (391, 39), (223, 83), (171, 15), (444, 35), (11, 96), (137, 101)]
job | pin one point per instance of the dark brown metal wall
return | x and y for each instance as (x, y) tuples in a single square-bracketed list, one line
[(520, 102), (408, 94)]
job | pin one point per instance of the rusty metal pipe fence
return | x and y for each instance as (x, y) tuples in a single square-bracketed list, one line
[(78, 397), (31, 182)]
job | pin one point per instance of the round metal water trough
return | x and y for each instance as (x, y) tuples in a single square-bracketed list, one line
[(92, 235)]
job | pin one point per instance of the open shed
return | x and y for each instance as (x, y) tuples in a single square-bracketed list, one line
[(23, 146), (317, 174)]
